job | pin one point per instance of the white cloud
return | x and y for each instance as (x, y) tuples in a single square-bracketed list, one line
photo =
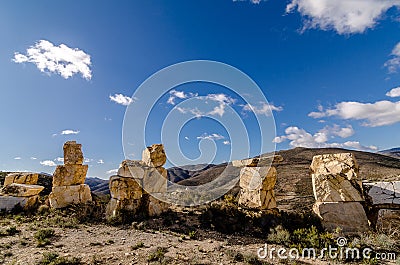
[(67, 132), (344, 16), (213, 136), (173, 94), (112, 171), (59, 159), (223, 100), (17, 158), (375, 114), (33, 158), (48, 163), (395, 92), (87, 160), (394, 63), (100, 161), (262, 109), (121, 99), (60, 59), (301, 138), (186, 138), (226, 142)]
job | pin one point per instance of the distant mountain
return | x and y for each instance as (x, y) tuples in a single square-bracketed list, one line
[(97, 185), (394, 152)]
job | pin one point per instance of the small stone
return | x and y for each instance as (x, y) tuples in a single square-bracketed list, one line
[(154, 156)]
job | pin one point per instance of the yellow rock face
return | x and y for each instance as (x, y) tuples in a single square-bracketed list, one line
[(257, 199), (66, 175), (156, 207), (258, 161), (21, 190), (21, 178), (62, 196), (154, 156), (123, 188), (72, 153), (258, 178)]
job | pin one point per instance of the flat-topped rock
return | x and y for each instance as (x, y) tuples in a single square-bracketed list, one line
[(21, 178), (258, 178), (263, 161), (335, 188), (62, 196), (350, 217), (383, 192), (257, 199), (343, 164), (154, 156), (73, 153), (69, 174), (21, 190), (122, 188), (10, 203), (126, 165)]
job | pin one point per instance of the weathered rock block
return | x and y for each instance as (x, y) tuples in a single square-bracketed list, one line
[(21, 190), (21, 178), (263, 161), (123, 188), (69, 174), (349, 216), (154, 156), (73, 153), (62, 196), (257, 199), (336, 164), (383, 192), (131, 168), (9, 203), (120, 208), (155, 180), (335, 188), (156, 207), (388, 220), (258, 178)]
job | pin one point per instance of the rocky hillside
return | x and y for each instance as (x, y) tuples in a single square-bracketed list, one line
[(394, 152)]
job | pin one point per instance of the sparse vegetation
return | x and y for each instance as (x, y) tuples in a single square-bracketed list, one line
[(43, 237), (157, 255), (137, 246), (52, 258)]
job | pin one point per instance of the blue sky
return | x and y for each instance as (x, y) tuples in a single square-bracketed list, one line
[(329, 70)]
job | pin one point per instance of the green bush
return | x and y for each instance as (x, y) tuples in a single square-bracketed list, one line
[(43, 236), (52, 258), (157, 255)]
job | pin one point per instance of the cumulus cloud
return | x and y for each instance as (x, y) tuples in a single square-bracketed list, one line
[(395, 92), (375, 114), (343, 16), (213, 136), (393, 64), (299, 137), (262, 109), (223, 100), (121, 99), (61, 59), (173, 94), (48, 163), (67, 132)]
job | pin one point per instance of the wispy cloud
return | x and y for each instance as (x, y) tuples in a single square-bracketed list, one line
[(395, 92), (393, 64), (48, 163), (112, 171), (61, 59), (174, 94), (17, 158), (343, 16), (121, 99), (67, 132), (100, 161), (262, 109), (213, 136), (375, 114), (59, 159), (33, 158), (226, 142), (299, 137)]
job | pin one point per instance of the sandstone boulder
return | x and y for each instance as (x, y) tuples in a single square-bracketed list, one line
[(348, 216), (21, 190), (69, 174), (21, 178), (156, 207), (335, 164), (335, 188), (154, 156), (383, 192), (123, 188), (73, 153), (62, 196), (257, 199), (258, 178), (155, 180), (388, 220), (131, 168), (10, 203), (263, 161), (122, 208)]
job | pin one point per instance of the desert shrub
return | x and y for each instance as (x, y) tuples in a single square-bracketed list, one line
[(51, 258), (137, 246), (311, 237), (43, 236), (157, 255), (12, 231), (279, 235), (235, 255)]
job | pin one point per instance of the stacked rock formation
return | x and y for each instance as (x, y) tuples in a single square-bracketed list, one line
[(338, 193), (20, 190), (68, 179), (257, 182), (131, 188)]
